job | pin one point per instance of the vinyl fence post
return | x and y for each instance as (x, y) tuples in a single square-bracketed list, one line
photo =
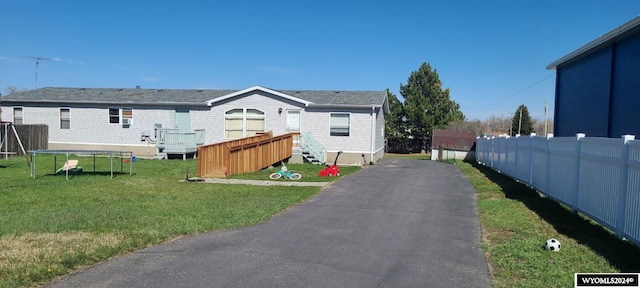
[(531, 158), (515, 160), (548, 165), (622, 186), (493, 148), (576, 184), (504, 159)]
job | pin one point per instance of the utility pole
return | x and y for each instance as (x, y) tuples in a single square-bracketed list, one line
[(511, 126), (520, 122), (546, 103)]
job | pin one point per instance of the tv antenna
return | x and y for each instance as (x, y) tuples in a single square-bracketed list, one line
[(37, 63)]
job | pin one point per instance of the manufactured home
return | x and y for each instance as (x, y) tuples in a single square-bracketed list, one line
[(161, 122)]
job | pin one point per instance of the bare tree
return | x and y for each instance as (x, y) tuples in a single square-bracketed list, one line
[(498, 125), (538, 127), (475, 126), (13, 90)]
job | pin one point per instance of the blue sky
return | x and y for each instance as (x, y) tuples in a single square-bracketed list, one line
[(491, 54)]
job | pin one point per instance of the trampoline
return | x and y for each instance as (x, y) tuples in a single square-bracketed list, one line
[(121, 155)]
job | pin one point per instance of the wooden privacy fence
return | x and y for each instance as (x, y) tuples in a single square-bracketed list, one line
[(32, 137), (244, 155)]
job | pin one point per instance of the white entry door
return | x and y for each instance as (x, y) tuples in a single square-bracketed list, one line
[(293, 121)]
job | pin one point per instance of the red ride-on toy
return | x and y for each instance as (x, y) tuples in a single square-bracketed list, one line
[(332, 170)]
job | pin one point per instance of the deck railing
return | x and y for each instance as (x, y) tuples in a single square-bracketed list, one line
[(199, 136), (244, 155), (171, 139), (180, 143), (161, 136)]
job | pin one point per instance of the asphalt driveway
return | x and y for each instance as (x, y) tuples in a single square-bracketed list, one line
[(399, 223)]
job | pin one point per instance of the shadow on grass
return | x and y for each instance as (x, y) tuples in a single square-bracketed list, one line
[(89, 173), (9, 165), (621, 254)]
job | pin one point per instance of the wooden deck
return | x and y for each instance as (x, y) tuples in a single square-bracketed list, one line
[(170, 141)]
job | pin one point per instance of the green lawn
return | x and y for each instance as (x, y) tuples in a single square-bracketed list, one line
[(51, 226), (414, 156), (309, 173), (516, 221)]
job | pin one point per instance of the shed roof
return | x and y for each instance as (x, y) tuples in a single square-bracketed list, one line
[(615, 35), (192, 97)]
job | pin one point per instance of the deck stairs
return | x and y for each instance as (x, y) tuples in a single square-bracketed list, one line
[(312, 150)]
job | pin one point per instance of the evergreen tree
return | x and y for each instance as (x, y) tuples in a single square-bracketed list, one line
[(426, 105), (521, 122), (395, 126)]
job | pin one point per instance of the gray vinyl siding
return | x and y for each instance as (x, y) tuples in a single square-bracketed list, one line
[(213, 120), (91, 125), (359, 139)]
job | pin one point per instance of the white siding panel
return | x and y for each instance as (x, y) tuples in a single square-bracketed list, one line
[(213, 120), (91, 125), (5, 113), (359, 139)]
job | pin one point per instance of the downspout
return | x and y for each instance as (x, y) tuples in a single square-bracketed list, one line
[(373, 133)]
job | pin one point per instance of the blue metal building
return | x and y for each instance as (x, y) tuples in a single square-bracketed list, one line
[(598, 86)]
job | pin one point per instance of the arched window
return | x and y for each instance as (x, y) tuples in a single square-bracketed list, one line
[(243, 122)]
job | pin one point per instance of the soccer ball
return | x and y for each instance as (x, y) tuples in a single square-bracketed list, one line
[(552, 245)]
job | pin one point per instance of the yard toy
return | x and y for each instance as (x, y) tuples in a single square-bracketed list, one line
[(332, 170), (284, 172), (70, 167), (552, 245)]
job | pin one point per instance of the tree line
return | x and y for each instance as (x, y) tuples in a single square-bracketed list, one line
[(427, 106)]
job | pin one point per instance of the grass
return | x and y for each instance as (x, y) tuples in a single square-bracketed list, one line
[(51, 227), (516, 221), (414, 156), (309, 173)]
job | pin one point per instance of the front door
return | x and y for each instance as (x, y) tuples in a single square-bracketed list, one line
[(183, 120), (293, 121)]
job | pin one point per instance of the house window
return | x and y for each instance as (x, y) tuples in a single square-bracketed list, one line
[(255, 122), (125, 113), (339, 125), (243, 122), (114, 115), (127, 116), (65, 118), (17, 115)]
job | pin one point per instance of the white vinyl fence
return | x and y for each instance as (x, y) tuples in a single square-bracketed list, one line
[(598, 177)]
